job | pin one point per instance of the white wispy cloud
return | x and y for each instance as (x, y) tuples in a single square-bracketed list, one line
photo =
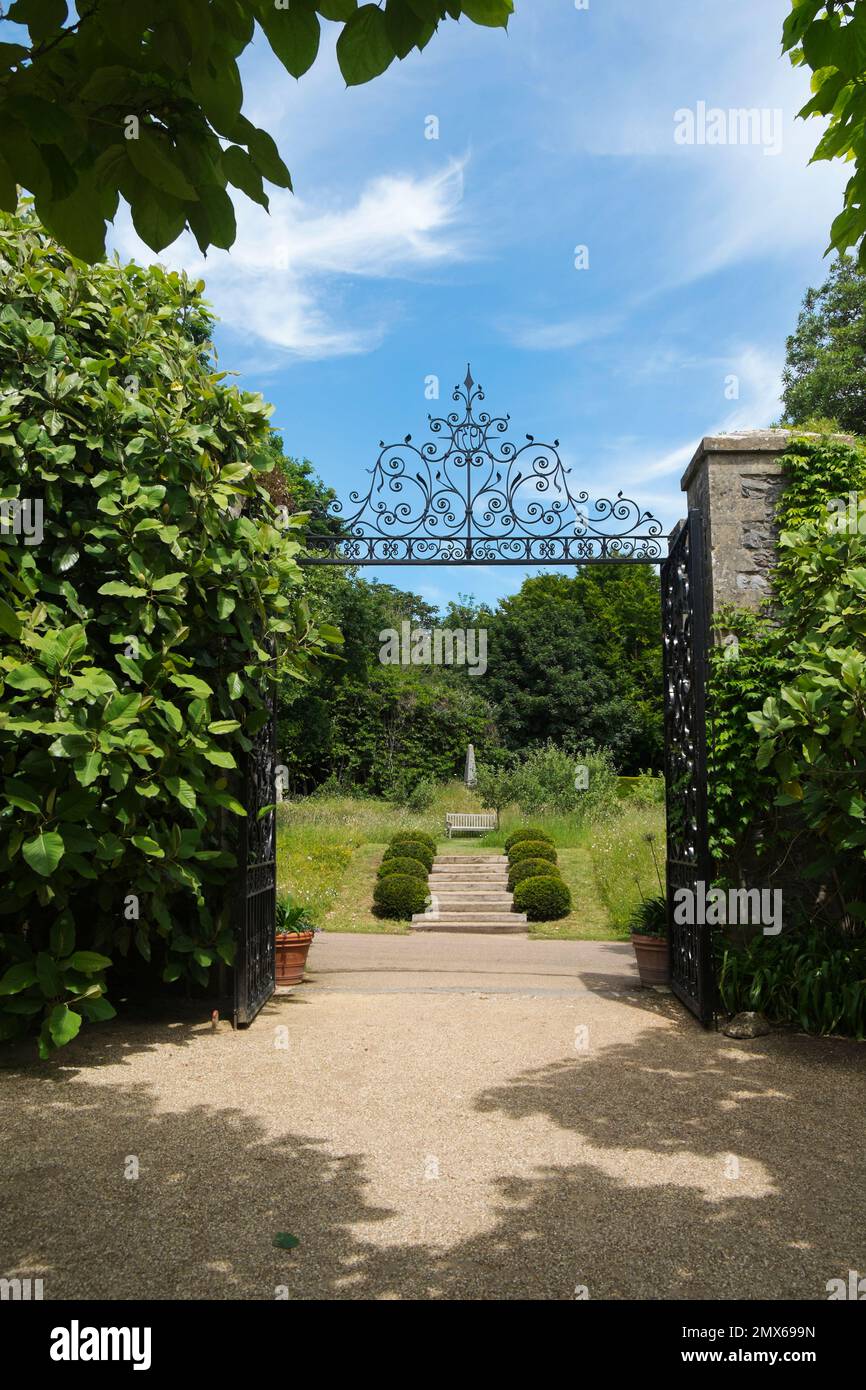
[(567, 333), (287, 280), (758, 375)]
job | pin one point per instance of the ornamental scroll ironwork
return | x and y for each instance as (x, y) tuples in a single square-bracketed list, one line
[(471, 496)]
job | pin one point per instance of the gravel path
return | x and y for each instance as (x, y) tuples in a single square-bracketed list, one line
[(452, 1117)]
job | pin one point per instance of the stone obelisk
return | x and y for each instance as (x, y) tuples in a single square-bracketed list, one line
[(469, 775)]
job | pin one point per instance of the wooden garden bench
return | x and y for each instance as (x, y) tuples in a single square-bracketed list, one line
[(473, 822)]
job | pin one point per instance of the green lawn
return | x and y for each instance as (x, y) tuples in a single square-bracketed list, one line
[(328, 850), (352, 906)]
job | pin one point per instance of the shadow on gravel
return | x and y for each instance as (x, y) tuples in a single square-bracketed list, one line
[(648, 1214), (741, 1163)]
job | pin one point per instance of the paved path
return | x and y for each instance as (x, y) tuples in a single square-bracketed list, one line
[(453, 1117)]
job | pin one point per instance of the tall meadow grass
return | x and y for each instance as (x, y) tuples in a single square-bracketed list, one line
[(628, 860)]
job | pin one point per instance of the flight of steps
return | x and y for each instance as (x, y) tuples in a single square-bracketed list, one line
[(470, 893)]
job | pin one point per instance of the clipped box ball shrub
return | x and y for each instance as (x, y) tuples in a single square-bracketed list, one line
[(543, 899), (530, 868), (402, 865), (397, 896), (531, 849), (408, 836), (411, 849), (527, 832)]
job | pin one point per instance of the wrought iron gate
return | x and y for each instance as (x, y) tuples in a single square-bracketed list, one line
[(472, 496), (256, 903), (684, 639)]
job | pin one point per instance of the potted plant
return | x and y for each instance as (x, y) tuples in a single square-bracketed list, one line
[(649, 936), (294, 937)]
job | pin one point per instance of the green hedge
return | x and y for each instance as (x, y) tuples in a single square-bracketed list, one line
[(414, 837), (543, 899), (399, 896), (527, 832), (531, 849), (530, 868), (402, 865), (133, 636), (411, 849)]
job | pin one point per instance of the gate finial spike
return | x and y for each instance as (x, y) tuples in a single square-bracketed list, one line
[(468, 383)]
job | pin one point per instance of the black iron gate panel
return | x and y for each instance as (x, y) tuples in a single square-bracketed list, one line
[(256, 902), (685, 655)]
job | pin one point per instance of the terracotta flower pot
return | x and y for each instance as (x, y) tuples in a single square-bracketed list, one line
[(653, 960), (291, 955)]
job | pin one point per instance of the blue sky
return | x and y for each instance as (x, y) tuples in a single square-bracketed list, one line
[(401, 257)]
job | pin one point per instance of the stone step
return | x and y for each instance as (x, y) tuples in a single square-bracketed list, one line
[(439, 868), (469, 868), (471, 892), (477, 909), (450, 885), (476, 899), (496, 859), (459, 889), (473, 911), (467, 924), (467, 879), (494, 868)]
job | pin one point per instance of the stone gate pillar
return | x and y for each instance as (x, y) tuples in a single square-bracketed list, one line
[(734, 481)]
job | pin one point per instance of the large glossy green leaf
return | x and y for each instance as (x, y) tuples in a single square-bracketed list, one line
[(403, 25), (77, 220), (364, 49), (159, 218), (43, 17), (18, 977), (8, 187), (44, 852), (242, 172), (293, 35), (266, 157), (494, 13), (216, 83), (62, 935), (154, 157), (87, 962), (27, 678), (148, 846), (194, 684), (212, 218), (64, 1024), (336, 9)]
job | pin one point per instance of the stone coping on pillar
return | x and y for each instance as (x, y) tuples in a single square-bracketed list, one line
[(735, 481), (774, 441)]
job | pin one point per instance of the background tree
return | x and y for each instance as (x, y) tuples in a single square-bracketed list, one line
[(825, 364), (294, 485), (380, 727), (829, 36), (141, 99), (578, 659)]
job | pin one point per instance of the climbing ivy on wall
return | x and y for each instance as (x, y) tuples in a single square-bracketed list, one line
[(789, 711)]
